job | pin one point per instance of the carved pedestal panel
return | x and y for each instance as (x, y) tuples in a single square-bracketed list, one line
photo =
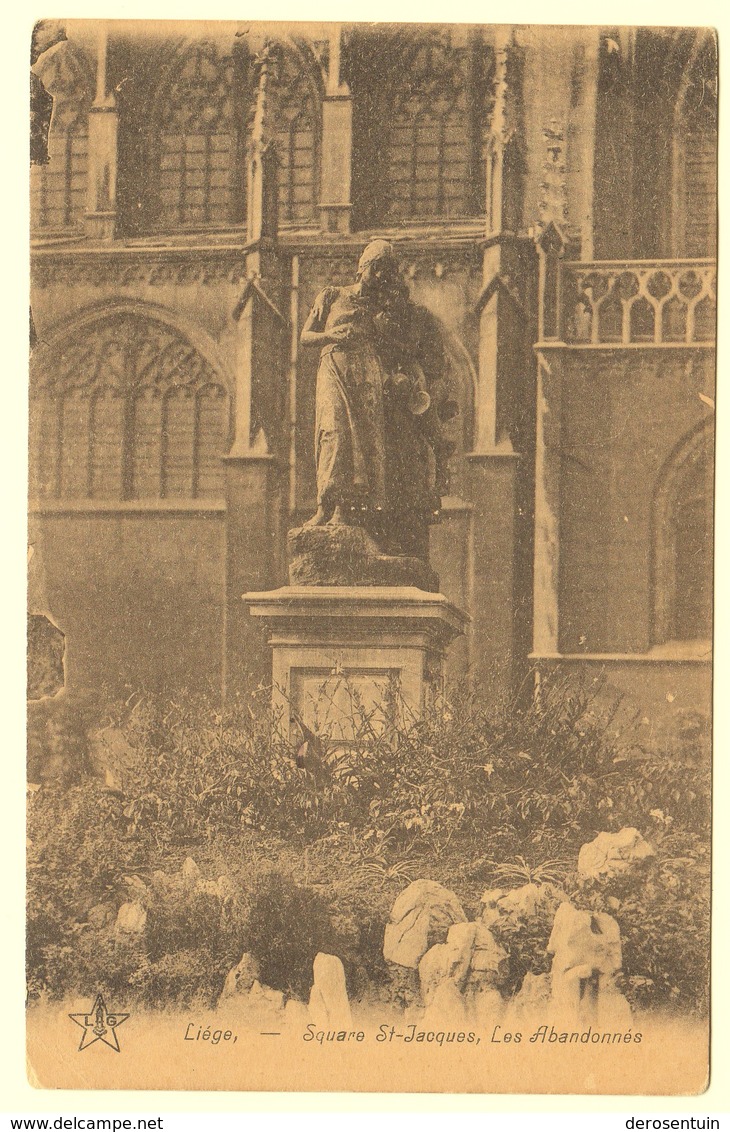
[(350, 659)]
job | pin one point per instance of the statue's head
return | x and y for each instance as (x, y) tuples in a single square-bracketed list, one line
[(378, 266)]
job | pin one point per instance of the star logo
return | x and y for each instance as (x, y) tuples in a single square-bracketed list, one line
[(99, 1025)]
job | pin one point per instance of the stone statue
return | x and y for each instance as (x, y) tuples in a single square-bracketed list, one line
[(381, 399)]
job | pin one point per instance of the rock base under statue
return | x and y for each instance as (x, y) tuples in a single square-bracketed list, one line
[(345, 555), (349, 659)]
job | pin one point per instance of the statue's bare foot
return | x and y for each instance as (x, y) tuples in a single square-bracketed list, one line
[(318, 519), (338, 519)]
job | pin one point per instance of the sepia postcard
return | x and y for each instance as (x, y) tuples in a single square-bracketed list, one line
[(372, 391)]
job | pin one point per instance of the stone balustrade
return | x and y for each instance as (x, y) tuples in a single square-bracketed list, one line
[(638, 303)]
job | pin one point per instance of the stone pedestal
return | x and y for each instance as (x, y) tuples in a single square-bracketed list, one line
[(347, 556), (352, 658)]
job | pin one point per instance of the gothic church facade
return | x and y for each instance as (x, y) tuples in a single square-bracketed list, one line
[(551, 195)]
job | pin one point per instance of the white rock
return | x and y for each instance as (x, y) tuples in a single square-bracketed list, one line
[(484, 1006), (136, 886), (470, 957), (530, 900), (531, 1000), (329, 1005), (520, 903), (260, 1006), (586, 949), (420, 917), (446, 1009), (490, 902), (581, 938), (132, 918), (488, 955), (241, 978), (448, 960), (612, 853), (265, 997), (190, 871), (296, 1015)]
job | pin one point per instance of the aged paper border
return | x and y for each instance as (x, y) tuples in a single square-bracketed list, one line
[(17, 1095)]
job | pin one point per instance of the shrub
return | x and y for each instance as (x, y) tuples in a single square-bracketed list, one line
[(77, 857), (287, 924), (200, 774), (189, 978), (663, 911), (57, 740), (537, 779)]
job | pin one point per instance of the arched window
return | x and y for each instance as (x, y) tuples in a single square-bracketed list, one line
[(429, 92), (126, 409), (683, 541), (59, 189), (297, 136), (185, 166), (694, 187)]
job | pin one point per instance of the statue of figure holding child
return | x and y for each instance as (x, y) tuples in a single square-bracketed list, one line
[(381, 401)]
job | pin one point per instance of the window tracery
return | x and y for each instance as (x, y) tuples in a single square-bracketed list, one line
[(297, 137), (431, 93), (183, 137), (430, 151), (127, 410), (59, 189)]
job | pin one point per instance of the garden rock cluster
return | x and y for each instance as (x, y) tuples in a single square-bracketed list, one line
[(461, 964), (455, 968), (245, 997), (460, 975)]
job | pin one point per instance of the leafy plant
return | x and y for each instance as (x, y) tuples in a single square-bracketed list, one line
[(378, 869), (519, 872)]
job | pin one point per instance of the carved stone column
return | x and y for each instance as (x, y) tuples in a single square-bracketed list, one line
[(582, 140), (263, 200), (101, 213), (499, 467), (255, 466), (335, 204), (508, 263), (548, 461), (498, 470), (506, 142), (548, 450)]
